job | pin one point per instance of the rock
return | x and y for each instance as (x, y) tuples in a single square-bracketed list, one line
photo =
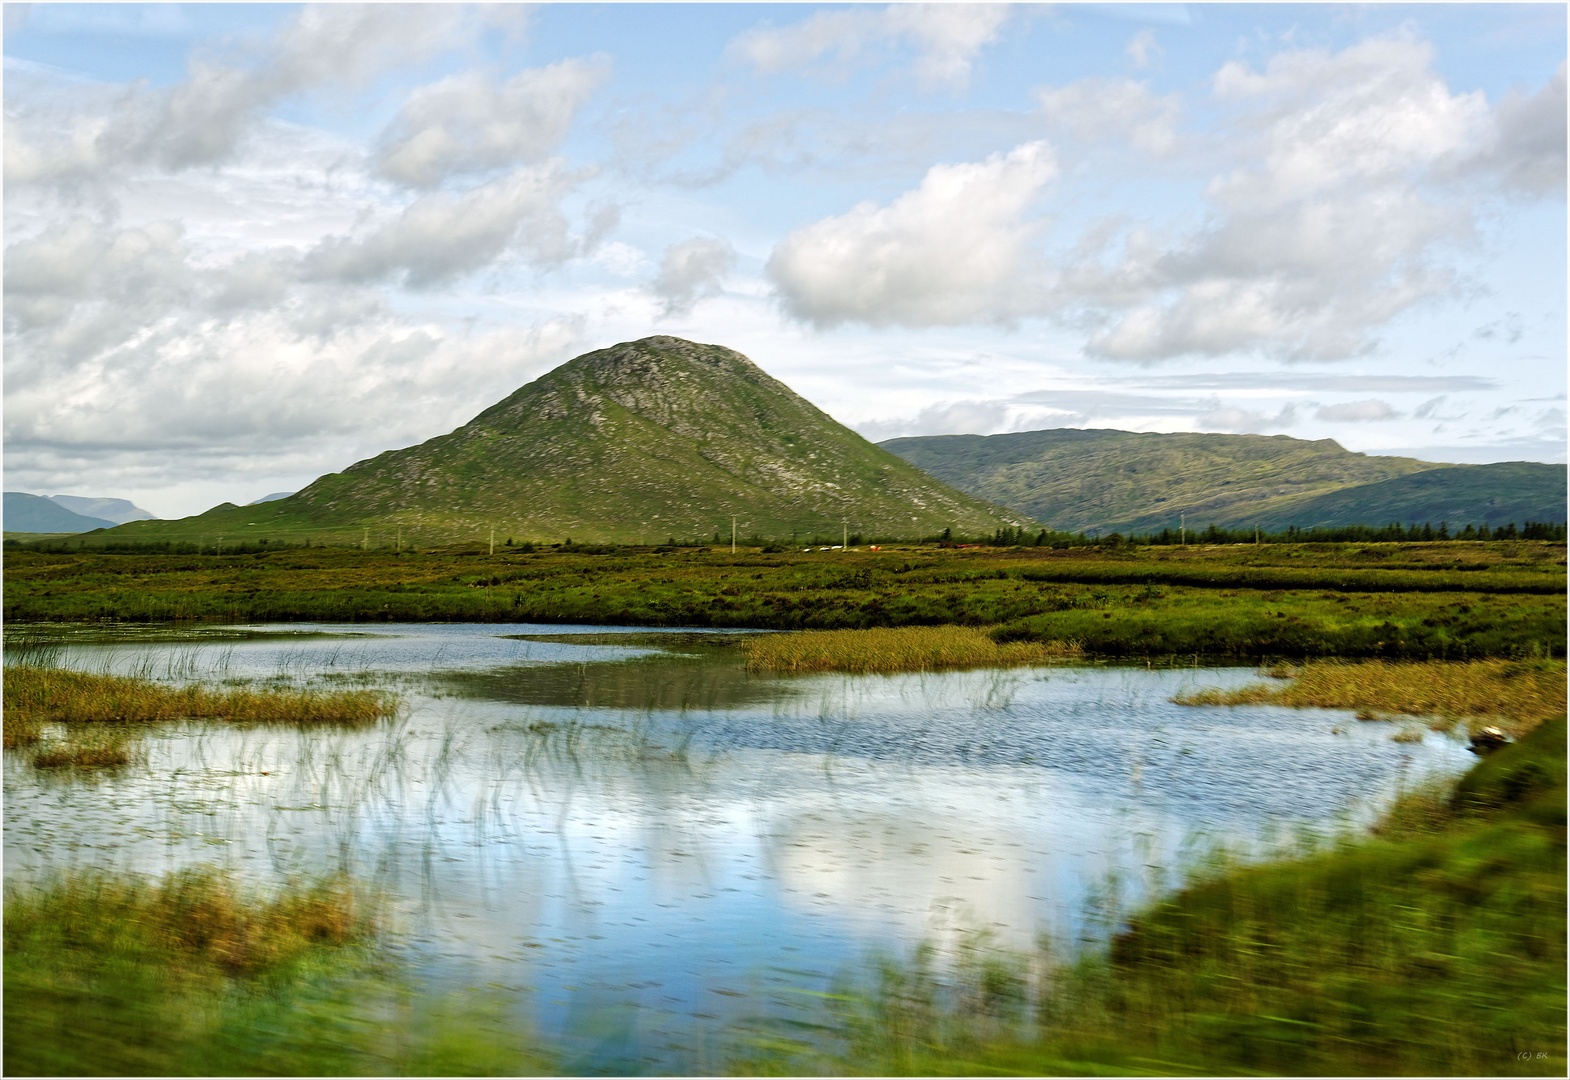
[(1487, 740)]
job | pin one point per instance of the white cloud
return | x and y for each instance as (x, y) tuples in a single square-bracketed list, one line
[(1325, 230), (1232, 418), (1528, 150), (1352, 412), (1142, 49), (1093, 109), (468, 122), (1374, 111), (203, 119), (946, 38), (691, 271), (944, 418), (440, 237), (951, 251)]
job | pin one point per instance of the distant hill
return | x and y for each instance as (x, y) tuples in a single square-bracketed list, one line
[(642, 441), (274, 497), (36, 514), (114, 511), (1515, 491), (1136, 482)]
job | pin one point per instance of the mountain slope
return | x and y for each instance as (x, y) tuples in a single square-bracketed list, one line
[(114, 511), (1517, 491), (638, 442), (36, 514), (1142, 481)]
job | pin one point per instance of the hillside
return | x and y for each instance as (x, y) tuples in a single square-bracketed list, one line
[(114, 511), (36, 514), (639, 442), (1515, 491), (1141, 481)]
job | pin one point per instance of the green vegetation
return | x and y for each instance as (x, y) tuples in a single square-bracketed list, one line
[(192, 975), (95, 715), (1513, 694), (886, 650), (638, 442), (1139, 482), (1457, 600), (75, 697), (1439, 953)]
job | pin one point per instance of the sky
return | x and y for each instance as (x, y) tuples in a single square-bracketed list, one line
[(246, 245)]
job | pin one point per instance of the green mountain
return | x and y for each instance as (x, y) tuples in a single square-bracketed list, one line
[(1517, 491), (1140, 482), (36, 514), (638, 442)]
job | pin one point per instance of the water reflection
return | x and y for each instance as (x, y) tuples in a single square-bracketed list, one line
[(614, 824)]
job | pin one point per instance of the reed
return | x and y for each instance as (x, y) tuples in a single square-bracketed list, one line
[(1515, 695), (886, 650), (37, 695)]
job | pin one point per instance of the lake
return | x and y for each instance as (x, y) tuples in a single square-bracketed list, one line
[(647, 844)]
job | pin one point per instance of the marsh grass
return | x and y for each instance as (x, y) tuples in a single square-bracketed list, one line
[(195, 975), (36, 695), (86, 747), (1513, 694), (886, 650)]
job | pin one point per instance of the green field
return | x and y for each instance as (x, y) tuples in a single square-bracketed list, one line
[(1413, 600)]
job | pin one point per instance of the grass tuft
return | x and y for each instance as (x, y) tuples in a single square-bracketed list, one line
[(1515, 695), (38, 695), (887, 650)]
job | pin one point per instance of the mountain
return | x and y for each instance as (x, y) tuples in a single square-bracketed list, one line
[(36, 514), (274, 497), (1517, 491), (638, 442), (114, 511), (1126, 481)]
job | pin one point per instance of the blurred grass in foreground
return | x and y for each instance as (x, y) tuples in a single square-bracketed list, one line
[(886, 650), (191, 976), (1515, 695)]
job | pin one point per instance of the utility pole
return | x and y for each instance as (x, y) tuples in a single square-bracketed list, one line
[(493, 541), (1256, 535), (400, 539), (733, 534), (844, 535), (365, 541), (1183, 528)]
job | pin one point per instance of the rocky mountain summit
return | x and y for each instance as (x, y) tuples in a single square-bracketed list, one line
[(639, 442)]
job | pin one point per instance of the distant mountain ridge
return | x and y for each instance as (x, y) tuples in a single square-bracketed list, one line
[(640, 441), (35, 514), (1140, 482), (114, 511)]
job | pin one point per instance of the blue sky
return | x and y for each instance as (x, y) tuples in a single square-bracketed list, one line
[(249, 244)]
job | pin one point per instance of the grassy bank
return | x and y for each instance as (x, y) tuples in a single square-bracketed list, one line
[(96, 713), (192, 975), (889, 650), (1442, 953), (1453, 600), (1515, 695)]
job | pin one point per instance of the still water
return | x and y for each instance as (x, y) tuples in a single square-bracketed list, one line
[(624, 822)]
